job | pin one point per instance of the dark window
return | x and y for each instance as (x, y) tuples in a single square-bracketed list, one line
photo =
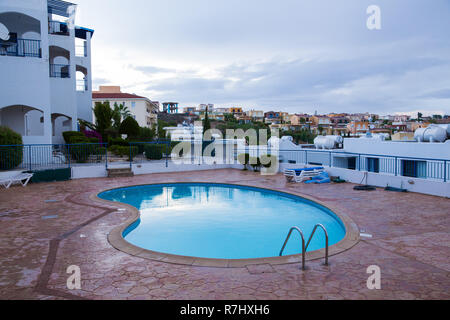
[(373, 165), (415, 169), (351, 163)]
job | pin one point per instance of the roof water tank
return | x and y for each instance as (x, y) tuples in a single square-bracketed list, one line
[(432, 133), (327, 142)]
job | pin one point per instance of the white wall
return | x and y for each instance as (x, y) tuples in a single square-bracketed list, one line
[(426, 186)]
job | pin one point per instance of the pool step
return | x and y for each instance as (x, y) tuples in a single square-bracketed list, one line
[(120, 172)]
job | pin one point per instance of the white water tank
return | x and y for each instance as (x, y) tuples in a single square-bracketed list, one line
[(327, 142), (446, 126), (432, 133)]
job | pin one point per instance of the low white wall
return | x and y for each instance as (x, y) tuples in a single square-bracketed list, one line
[(426, 186), (80, 172), (99, 171), (146, 168)]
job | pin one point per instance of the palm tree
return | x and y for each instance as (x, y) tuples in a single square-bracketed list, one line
[(121, 110)]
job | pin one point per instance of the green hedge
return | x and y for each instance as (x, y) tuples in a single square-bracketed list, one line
[(118, 142), (154, 151), (10, 157), (82, 152), (74, 137), (124, 150)]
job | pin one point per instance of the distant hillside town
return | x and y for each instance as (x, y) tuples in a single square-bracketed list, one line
[(148, 113)]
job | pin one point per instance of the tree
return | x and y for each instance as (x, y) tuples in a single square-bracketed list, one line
[(130, 127), (206, 122), (419, 116), (103, 118), (120, 112)]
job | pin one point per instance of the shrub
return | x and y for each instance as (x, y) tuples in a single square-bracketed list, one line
[(146, 134), (118, 142), (255, 162), (124, 151), (10, 157), (130, 127), (267, 160), (244, 159), (154, 151), (70, 135)]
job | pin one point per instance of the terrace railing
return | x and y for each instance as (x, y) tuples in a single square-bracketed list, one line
[(31, 157), (425, 168), (21, 48), (58, 28), (51, 156), (82, 85), (59, 70)]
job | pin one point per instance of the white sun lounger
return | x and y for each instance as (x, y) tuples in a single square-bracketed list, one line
[(300, 175), (22, 178)]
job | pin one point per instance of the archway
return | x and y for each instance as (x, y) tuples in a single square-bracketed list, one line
[(59, 62), (82, 76), (60, 124), (25, 120)]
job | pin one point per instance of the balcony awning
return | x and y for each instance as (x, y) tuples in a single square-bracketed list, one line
[(80, 32), (59, 7)]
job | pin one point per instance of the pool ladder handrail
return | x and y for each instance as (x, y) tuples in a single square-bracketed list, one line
[(304, 248)]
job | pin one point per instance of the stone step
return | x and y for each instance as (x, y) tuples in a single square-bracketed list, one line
[(120, 172)]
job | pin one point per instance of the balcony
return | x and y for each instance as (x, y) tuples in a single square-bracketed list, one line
[(58, 28), (59, 71), (81, 50), (82, 85), (21, 48)]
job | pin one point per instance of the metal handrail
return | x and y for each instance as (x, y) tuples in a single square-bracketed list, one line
[(303, 244), (326, 240)]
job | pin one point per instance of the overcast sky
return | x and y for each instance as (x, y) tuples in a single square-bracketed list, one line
[(290, 55)]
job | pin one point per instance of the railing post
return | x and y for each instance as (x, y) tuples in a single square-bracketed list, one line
[(167, 156), (306, 157), (131, 160), (395, 166), (68, 153), (445, 171), (29, 156), (106, 155)]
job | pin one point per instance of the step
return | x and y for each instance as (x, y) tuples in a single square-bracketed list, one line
[(120, 172)]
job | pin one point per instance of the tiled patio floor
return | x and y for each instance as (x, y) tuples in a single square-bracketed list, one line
[(410, 243)]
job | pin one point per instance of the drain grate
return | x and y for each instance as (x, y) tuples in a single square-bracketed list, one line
[(50, 217), (51, 201)]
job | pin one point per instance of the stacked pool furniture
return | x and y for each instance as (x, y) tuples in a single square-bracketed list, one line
[(300, 175)]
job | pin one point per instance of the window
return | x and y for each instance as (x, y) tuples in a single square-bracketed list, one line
[(415, 169), (373, 165), (133, 104), (351, 163)]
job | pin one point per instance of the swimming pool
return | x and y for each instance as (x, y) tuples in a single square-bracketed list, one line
[(222, 221)]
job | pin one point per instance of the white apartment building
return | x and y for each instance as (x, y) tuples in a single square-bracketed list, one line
[(45, 62), (142, 109)]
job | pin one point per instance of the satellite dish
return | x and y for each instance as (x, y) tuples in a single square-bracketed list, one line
[(4, 32)]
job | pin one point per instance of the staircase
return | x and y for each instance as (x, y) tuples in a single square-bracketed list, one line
[(120, 172)]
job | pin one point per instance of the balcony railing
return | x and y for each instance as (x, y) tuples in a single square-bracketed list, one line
[(82, 85), (59, 71), (21, 48), (81, 50), (58, 28)]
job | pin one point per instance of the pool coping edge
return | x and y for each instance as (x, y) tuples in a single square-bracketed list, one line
[(115, 238)]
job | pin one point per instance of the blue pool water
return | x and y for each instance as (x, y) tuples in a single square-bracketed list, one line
[(222, 221)]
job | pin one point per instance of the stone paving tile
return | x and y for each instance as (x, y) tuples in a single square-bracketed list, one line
[(410, 244)]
